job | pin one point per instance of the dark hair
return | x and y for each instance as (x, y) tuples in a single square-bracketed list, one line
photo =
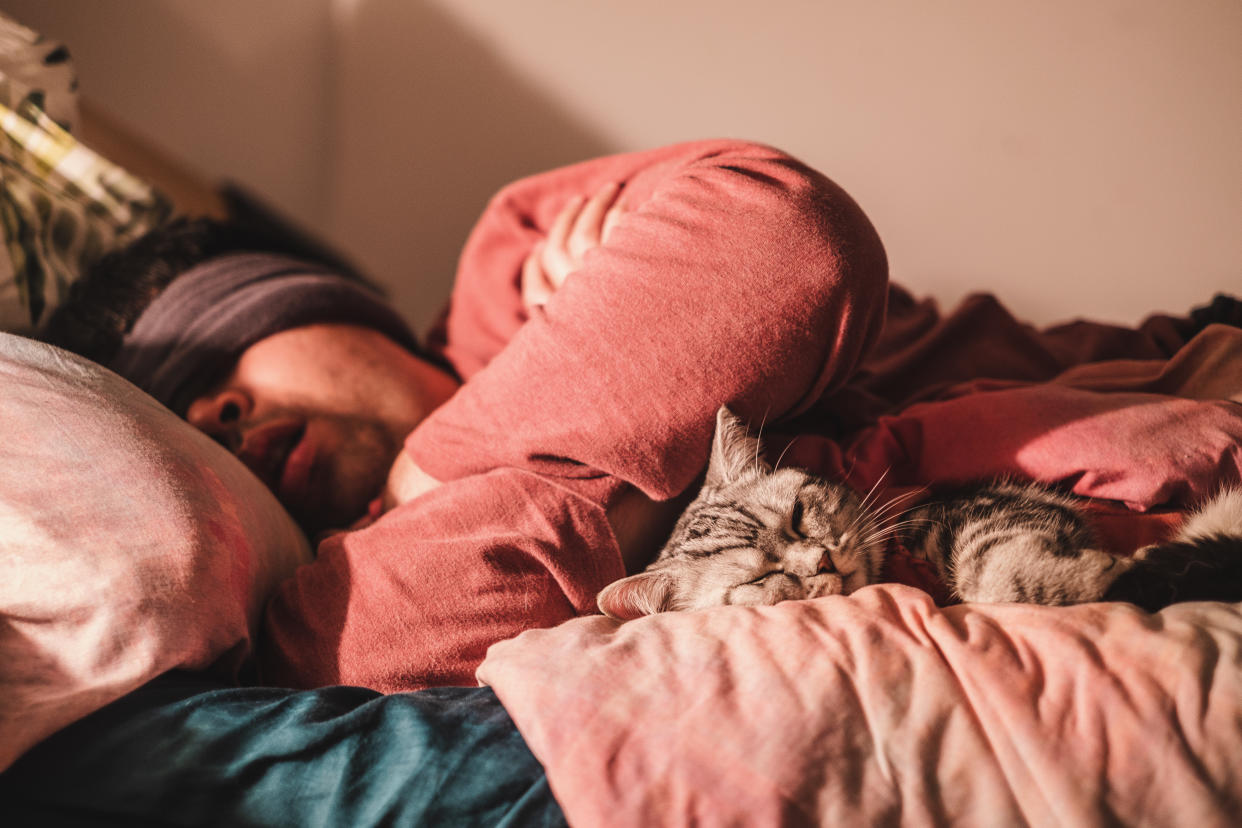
[(104, 304)]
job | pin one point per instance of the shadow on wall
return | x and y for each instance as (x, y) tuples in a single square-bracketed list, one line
[(235, 90), (429, 122)]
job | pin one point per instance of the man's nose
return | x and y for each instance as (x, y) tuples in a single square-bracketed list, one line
[(219, 416)]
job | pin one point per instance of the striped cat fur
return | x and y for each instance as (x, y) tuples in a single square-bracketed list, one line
[(756, 535)]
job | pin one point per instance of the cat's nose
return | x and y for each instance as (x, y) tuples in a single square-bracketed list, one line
[(825, 563)]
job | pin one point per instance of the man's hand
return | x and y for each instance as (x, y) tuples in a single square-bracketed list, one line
[(406, 481), (582, 224)]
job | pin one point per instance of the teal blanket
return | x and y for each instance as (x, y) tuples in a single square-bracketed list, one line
[(185, 751)]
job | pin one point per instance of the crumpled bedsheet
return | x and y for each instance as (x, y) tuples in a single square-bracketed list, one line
[(881, 709)]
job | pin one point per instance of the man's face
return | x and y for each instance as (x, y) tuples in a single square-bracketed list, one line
[(320, 413)]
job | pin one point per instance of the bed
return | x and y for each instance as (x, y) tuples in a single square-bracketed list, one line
[(145, 576)]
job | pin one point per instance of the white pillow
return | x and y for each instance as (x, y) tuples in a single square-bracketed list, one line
[(130, 543)]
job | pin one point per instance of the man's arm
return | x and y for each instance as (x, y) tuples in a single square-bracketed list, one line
[(415, 599), (582, 225), (736, 275)]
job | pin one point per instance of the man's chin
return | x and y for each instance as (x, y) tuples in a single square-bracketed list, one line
[(317, 520), (319, 526), (349, 475)]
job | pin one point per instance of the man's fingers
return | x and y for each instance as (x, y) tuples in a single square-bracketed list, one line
[(610, 221), (555, 256), (579, 226), (564, 221), (588, 227), (536, 289)]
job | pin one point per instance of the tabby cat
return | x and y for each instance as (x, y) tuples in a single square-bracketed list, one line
[(755, 535)]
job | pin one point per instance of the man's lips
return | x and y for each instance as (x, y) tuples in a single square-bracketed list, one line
[(267, 448), (295, 478)]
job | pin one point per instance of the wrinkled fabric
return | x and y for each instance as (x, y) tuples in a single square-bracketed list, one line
[(882, 709), (187, 750)]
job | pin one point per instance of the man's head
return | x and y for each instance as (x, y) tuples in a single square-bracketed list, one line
[(319, 412), (307, 375)]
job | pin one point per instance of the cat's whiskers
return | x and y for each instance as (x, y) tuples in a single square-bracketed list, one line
[(902, 524), (883, 514), (896, 519), (858, 518), (759, 440), (874, 486), (884, 534), (895, 527), (863, 514), (879, 517), (884, 518), (788, 446)]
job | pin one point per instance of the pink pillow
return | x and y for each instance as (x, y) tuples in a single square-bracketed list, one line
[(130, 543)]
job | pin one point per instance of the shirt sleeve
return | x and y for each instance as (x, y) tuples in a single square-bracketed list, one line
[(416, 599)]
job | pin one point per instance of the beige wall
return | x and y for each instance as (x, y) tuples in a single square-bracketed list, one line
[(1077, 158), (237, 88)]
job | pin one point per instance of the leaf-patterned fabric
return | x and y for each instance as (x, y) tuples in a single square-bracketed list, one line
[(62, 206)]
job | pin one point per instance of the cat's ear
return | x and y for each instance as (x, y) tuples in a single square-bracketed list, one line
[(735, 452), (643, 594)]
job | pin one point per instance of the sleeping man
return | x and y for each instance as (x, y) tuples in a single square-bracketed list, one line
[(534, 449), (735, 273)]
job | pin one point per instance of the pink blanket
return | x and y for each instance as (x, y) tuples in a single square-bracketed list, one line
[(881, 709)]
